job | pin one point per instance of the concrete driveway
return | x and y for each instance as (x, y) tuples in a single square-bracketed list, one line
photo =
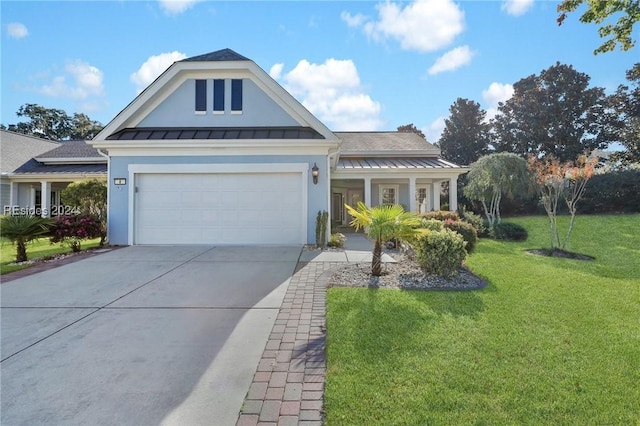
[(140, 335)]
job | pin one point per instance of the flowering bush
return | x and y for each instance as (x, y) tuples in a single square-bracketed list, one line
[(72, 229)]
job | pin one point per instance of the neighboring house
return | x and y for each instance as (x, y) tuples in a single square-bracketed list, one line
[(215, 151), (35, 171)]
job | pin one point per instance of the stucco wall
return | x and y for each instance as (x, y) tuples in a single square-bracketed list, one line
[(119, 195), (178, 110)]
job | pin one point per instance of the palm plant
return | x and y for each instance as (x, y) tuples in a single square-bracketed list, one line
[(22, 229), (382, 223)]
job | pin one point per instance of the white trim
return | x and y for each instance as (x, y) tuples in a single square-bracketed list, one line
[(76, 160), (201, 112), (217, 112), (236, 112), (383, 186), (302, 168), (179, 72)]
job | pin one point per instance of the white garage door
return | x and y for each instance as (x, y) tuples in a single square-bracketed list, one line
[(221, 208)]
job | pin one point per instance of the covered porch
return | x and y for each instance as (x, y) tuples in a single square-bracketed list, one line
[(414, 183)]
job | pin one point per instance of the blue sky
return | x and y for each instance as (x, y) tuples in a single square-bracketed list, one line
[(360, 65)]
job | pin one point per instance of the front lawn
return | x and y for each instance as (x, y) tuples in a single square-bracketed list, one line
[(35, 249), (549, 341)]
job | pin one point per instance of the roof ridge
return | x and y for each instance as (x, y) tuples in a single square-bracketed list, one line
[(221, 55)]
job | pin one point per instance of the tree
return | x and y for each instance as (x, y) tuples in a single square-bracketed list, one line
[(600, 10), (466, 134), (54, 124), (626, 103), (383, 223), (556, 180), (90, 197), (411, 128), (22, 229), (555, 113), (493, 176)]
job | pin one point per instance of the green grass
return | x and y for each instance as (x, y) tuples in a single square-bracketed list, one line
[(549, 341), (35, 249)]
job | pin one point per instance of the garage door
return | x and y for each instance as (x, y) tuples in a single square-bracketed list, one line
[(220, 208)]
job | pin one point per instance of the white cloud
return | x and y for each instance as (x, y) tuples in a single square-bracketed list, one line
[(496, 93), (80, 81), (176, 7), (333, 93), (153, 67), (452, 60), (424, 25), (353, 20), (17, 30), (516, 7), (276, 71), (434, 130)]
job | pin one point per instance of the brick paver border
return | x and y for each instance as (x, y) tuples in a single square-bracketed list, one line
[(288, 386)]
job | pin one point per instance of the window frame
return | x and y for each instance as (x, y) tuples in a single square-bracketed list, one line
[(218, 95), (396, 193), (200, 96), (237, 95)]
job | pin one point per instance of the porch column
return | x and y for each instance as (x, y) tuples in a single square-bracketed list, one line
[(45, 198), (435, 195), (412, 194), (13, 193), (367, 191), (32, 197), (453, 194)]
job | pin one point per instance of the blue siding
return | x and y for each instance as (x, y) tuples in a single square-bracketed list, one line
[(119, 195), (258, 109)]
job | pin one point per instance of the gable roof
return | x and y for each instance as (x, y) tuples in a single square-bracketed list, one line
[(199, 67), (218, 55), (403, 144), (16, 149)]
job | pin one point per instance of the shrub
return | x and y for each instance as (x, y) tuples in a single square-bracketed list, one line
[(441, 215), (72, 229), (474, 220), (613, 192), (431, 224), (337, 240), (467, 231), (508, 231), (441, 252)]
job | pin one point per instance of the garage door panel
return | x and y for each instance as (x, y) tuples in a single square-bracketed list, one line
[(229, 208)]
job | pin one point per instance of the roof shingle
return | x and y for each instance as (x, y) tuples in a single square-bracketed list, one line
[(383, 141), (217, 56)]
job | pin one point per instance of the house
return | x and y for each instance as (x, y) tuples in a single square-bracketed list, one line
[(215, 151), (35, 171)]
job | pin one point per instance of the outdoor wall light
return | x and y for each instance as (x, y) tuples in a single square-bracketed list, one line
[(314, 173), (119, 181)]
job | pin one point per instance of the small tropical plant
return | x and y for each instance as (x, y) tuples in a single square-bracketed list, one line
[(322, 220), (337, 240), (383, 223), (72, 229), (22, 229)]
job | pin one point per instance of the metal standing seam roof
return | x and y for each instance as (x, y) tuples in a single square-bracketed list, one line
[(34, 167), (408, 163), (148, 133)]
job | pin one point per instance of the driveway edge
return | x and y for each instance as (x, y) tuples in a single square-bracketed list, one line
[(288, 386)]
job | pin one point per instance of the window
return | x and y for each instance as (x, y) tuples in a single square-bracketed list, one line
[(421, 197), (201, 96), (388, 195), (218, 96), (236, 96)]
